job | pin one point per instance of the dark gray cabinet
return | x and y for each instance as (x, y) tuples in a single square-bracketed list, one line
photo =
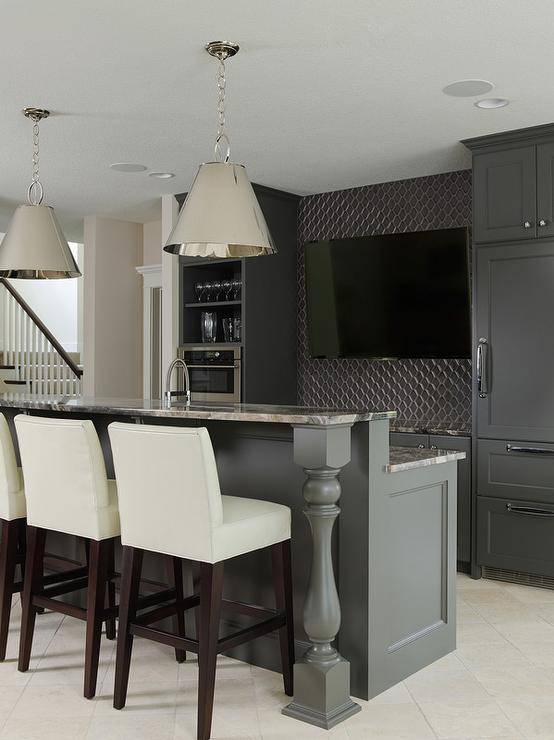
[(545, 189), (515, 469), (504, 195), (513, 185), (513, 358), (515, 536), (515, 341), (448, 442)]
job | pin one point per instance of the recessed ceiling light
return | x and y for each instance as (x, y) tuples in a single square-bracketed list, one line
[(128, 167), (468, 88), (489, 103), (161, 175)]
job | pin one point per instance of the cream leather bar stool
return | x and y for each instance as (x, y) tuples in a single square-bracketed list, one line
[(12, 524), (170, 502), (67, 491)]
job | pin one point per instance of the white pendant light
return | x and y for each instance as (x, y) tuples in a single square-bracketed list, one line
[(221, 216), (35, 246)]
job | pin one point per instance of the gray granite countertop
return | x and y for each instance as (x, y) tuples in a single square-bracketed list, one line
[(218, 411), (448, 429), (408, 458)]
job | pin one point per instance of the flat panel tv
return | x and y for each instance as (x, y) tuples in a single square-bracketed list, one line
[(395, 296)]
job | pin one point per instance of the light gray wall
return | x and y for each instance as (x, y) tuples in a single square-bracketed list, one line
[(112, 298)]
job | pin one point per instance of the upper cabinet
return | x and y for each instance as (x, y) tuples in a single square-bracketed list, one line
[(513, 185)]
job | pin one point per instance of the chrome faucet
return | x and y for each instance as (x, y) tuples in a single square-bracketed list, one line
[(167, 394)]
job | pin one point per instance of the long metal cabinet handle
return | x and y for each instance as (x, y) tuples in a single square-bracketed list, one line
[(529, 450), (482, 368), (212, 367), (529, 511)]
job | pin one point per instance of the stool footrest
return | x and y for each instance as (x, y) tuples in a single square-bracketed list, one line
[(65, 575), (166, 638), (251, 633), (249, 610), (60, 606), (167, 610), (144, 602), (66, 587), (140, 628)]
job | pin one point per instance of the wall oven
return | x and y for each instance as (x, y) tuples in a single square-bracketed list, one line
[(214, 371)]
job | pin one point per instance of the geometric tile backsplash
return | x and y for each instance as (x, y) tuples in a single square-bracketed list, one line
[(423, 390)]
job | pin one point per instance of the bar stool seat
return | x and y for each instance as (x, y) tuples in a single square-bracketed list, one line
[(13, 510), (67, 491), (170, 502)]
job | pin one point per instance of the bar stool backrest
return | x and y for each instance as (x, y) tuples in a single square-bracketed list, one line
[(11, 484), (168, 488), (64, 472)]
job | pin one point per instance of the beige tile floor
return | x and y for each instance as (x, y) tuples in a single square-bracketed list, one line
[(499, 683)]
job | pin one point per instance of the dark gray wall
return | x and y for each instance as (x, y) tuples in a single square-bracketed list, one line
[(422, 390)]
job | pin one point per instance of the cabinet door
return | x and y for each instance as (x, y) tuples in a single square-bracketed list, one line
[(515, 317), (545, 190), (515, 535), (504, 195), (464, 489), (409, 439)]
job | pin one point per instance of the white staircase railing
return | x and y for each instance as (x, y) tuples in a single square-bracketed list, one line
[(42, 366)]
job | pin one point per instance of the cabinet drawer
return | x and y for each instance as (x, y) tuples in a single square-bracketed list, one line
[(409, 439), (520, 470), (515, 535)]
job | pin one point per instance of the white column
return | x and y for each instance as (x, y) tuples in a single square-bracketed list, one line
[(170, 286)]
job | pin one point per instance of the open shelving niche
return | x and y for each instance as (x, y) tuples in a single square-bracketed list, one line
[(196, 271)]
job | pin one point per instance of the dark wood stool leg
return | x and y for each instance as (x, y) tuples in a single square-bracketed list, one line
[(36, 539), (110, 623), (8, 559), (175, 579), (211, 587), (97, 582), (131, 566), (282, 580)]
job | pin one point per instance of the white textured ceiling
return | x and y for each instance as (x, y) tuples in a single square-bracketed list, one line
[(324, 94)]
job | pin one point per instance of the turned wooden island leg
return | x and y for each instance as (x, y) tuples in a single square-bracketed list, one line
[(322, 675)]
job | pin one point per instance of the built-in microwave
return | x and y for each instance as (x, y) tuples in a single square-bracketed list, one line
[(214, 372)]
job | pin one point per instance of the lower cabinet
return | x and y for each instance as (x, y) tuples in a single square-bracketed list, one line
[(448, 442), (515, 535)]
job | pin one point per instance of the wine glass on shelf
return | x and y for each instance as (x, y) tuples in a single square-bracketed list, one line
[(237, 285), (227, 287), (217, 290), (208, 288), (199, 290)]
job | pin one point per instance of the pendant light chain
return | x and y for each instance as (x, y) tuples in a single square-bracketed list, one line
[(222, 148), (35, 193)]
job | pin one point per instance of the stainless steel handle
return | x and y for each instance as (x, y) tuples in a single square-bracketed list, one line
[(527, 224), (529, 450), (542, 222), (529, 511), (482, 368), (212, 367)]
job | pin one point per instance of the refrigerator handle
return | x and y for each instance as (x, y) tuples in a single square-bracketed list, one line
[(483, 368)]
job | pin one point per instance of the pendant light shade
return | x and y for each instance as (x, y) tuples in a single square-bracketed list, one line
[(221, 216), (35, 246)]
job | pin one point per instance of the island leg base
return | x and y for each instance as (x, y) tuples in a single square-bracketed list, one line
[(321, 694)]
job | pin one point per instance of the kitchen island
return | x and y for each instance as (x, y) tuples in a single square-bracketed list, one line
[(393, 551)]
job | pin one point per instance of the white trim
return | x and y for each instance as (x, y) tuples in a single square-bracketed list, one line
[(152, 278)]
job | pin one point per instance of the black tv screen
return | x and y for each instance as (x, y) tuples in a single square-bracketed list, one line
[(391, 296)]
